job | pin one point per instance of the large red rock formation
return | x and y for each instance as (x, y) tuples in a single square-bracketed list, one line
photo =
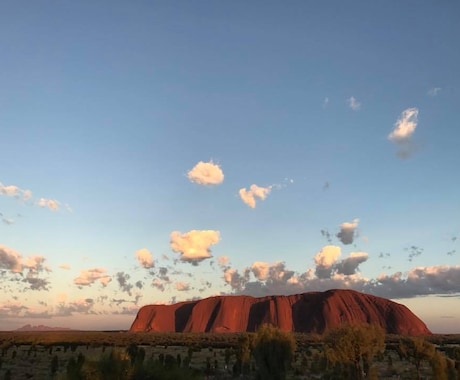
[(313, 312)]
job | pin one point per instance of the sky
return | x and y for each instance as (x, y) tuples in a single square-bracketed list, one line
[(161, 151)]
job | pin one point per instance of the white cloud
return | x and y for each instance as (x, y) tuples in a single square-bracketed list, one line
[(404, 126), (10, 259), (15, 191), (347, 231), (49, 203), (206, 173), (249, 196), (325, 259), (90, 276), (353, 103), (18, 193), (194, 245), (145, 258), (64, 266), (260, 270)]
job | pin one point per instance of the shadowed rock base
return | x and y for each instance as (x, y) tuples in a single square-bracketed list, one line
[(312, 312)]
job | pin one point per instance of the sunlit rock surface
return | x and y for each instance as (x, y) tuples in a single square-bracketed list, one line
[(312, 312)]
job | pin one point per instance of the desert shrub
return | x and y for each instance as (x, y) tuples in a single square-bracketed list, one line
[(273, 350), (416, 350), (153, 370), (74, 370), (439, 365), (113, 366), (351, 348), (54, 364)]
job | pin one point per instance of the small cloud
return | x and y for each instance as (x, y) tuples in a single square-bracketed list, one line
[(49, 203), (325, 102), (206, 173), (353, 103), (15, 191), (145, 258), (222, 261), (89, 276), (10, 259), (347, 231), (182, 286), (35, 264), (434, 91), (158, 284), (64, 266), (235, 279), (194, 245), (404, 126), (249, 196), (122, 279)]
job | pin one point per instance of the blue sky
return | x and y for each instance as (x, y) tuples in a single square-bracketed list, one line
[(131, 134)]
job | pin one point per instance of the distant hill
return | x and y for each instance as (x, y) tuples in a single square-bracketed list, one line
[(41, 328), (312, 312)]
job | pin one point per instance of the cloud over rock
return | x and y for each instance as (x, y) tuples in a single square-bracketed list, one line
[(193, 246)]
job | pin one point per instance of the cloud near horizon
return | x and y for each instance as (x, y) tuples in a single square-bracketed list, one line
[(249, 196), (193, 246), (206, 173), (331, 273)]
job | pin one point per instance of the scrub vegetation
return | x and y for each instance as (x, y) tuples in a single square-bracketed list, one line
[(348, 352)]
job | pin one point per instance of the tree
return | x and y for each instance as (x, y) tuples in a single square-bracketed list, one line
[(415, 350), (353, 347), (439, 365), (273, 351), (243, 355)]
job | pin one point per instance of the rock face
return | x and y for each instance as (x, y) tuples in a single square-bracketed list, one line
[(313, 312)]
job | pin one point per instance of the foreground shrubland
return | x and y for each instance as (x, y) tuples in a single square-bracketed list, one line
[(348, 352)]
